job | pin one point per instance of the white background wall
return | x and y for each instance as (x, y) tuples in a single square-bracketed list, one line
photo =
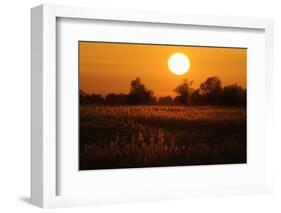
[(15, 105)]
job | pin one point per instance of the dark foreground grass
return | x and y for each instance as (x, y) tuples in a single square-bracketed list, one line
[(155, 136)]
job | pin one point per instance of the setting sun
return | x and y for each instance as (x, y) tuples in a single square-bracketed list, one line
[(178, 63)]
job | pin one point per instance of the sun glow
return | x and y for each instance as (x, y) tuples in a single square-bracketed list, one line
[(178, 63)]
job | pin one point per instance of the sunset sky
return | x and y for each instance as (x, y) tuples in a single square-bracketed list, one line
[(110, 67)]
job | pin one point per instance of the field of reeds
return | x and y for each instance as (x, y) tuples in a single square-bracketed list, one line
[(155, 136)]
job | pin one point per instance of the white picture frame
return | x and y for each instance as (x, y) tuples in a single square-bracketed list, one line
[(44, 153)]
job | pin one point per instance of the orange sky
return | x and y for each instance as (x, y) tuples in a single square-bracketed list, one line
[(110, 67)]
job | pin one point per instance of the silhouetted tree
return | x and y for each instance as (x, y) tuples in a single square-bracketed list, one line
[(139, 94), (234, 95), (211, 90), (184, 91), (167, 100)]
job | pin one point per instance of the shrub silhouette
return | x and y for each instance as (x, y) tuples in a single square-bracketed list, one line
[(116, 99), (90, 99), (196, 97), (166, 100), (234, 95)]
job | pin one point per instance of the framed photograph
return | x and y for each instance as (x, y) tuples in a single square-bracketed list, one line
[(129, 118), (130, 106)]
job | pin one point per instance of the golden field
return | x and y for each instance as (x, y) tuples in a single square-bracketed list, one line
[(155, 136)]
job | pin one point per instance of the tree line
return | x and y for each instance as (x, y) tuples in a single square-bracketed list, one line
[(210, 92)]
